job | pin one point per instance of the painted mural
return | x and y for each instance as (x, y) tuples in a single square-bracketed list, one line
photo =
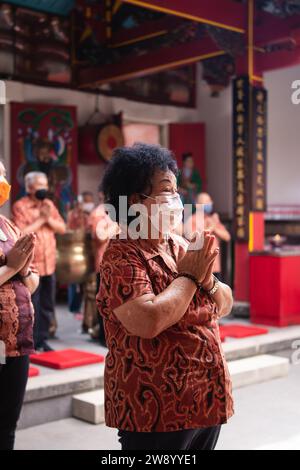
[(44, 138)]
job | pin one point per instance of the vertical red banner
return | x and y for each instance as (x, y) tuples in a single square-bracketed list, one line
[(241, 158), (259, 150)]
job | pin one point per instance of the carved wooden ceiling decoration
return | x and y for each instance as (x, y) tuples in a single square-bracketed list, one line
[(147, 49)]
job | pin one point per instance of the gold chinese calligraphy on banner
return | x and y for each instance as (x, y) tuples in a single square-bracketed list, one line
[(249, 153), (241, 94), (259, 150)]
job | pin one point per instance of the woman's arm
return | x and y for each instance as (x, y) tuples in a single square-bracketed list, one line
[(222, 232), (18, 261), (29, 276), (223, 299), (31, 282), (149, 315), (58, 226), (219, 229), (166, 309), (35, 226), (6, 273), (52, 217)]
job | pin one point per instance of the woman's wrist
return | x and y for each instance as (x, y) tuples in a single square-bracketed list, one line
[(191, 277), (209, 285), (6, 273), (11, 269), (213, 287), (3, 260), (26, 274)]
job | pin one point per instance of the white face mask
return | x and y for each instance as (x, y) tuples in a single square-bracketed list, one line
[(88, 206), (170, 208), (187, 173)]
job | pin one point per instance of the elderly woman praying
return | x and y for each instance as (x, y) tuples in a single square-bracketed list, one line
[(167, 385), (18, 280)]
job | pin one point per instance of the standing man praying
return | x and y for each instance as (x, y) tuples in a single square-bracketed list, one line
[(212, 222), (36, 213)]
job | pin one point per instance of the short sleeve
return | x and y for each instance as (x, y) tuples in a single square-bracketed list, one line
[(70, 219), (92, 223), (19, 215), (221, 226), (95, 218), (14, 230), (123, 276), (55, 213)]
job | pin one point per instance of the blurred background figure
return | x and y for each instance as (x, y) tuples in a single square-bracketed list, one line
[(206, 219), (102, 228), (77, 220), (189, 180), (45, 159), (78, 216), (37, 213)]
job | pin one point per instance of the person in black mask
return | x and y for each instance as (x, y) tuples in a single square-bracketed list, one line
[(37, 213)]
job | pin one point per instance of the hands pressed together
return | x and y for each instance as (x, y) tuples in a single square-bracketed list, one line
[(199, 259), (45, 211), (21, 255)]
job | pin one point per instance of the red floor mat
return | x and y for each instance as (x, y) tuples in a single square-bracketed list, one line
[(241, 331), (33, 372), (66, 359), (222, 335)]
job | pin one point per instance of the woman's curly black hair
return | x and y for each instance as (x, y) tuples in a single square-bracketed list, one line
[(131, 169)]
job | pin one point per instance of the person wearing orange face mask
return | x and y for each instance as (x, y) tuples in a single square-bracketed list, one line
[(18, 280), (37, 213)]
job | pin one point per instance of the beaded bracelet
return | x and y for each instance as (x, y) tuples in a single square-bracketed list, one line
[(191, 277)]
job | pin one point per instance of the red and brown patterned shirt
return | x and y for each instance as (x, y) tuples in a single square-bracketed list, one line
[(99, 220), (16, 310), (178, 380), (77, 219), (25, 212)]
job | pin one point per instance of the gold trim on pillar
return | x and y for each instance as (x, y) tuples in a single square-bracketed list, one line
[(256, 78), (117, 6), (140, 38), (108, 19), (251, 39), (251, 232)]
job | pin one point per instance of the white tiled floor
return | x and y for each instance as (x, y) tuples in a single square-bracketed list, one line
[(267, 417)]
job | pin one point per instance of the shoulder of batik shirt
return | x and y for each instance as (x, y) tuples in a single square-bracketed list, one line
[(14, 231)]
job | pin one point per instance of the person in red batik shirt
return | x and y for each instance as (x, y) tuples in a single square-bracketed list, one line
[(167, 384)]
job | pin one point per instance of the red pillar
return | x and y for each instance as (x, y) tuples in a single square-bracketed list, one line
[(245, 66)]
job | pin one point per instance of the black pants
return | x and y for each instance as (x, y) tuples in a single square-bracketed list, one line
[(189, 439), (13, 380), (44, 305)]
